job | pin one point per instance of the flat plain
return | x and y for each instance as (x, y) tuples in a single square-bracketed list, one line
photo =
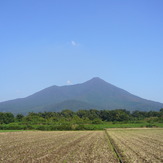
[(138, 144), (109, 146), (56, 147)]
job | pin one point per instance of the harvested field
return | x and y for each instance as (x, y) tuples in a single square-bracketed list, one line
[(138, 145), (56, 147)]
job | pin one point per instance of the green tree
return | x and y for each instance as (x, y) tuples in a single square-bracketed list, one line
[(19, 117), (6, 118)]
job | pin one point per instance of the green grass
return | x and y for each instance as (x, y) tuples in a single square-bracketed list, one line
[(121, 125), (9, 130), (61, 127)]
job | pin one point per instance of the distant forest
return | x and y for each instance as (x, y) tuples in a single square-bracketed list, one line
[(68, 119)]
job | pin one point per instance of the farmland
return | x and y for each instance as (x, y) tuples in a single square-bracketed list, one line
[(131, 145), (138, 145), (55, 146)]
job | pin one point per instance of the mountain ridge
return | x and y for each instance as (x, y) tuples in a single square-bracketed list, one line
[(95, 93)]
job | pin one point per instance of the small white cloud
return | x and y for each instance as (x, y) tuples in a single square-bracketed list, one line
[(69, 82), (73, 43)]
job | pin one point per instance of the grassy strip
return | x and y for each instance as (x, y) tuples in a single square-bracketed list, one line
[(9, 130), (118, 125), (61, 127)]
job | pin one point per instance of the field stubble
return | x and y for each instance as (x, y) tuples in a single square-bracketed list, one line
[(138, 145), (56, 147), (133, 145)]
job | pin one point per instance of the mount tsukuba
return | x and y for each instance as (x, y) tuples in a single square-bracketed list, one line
[(93, 94)]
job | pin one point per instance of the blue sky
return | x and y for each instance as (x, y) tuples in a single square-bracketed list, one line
[(59, 42)]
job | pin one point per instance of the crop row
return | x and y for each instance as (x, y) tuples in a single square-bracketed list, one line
[(138, 145), (56, 146), (129, 145)]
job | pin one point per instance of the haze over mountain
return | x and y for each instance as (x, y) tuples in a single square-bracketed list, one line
[(93, 94)]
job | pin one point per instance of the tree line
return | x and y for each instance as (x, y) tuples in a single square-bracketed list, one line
[(81, 117)]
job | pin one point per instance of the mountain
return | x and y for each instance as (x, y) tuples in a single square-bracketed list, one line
[(95, 93)]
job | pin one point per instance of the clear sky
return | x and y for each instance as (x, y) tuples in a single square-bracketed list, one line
[(59, 42)]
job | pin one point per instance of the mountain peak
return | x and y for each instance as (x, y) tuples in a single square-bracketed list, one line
[(95, 93), (96, 79)]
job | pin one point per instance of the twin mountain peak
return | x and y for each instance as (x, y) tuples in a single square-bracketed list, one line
[(93, 94)]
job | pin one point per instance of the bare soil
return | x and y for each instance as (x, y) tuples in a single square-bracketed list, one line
[(139, 145), (56, 147)]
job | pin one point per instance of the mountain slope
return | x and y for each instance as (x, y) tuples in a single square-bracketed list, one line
[(95, 93)]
